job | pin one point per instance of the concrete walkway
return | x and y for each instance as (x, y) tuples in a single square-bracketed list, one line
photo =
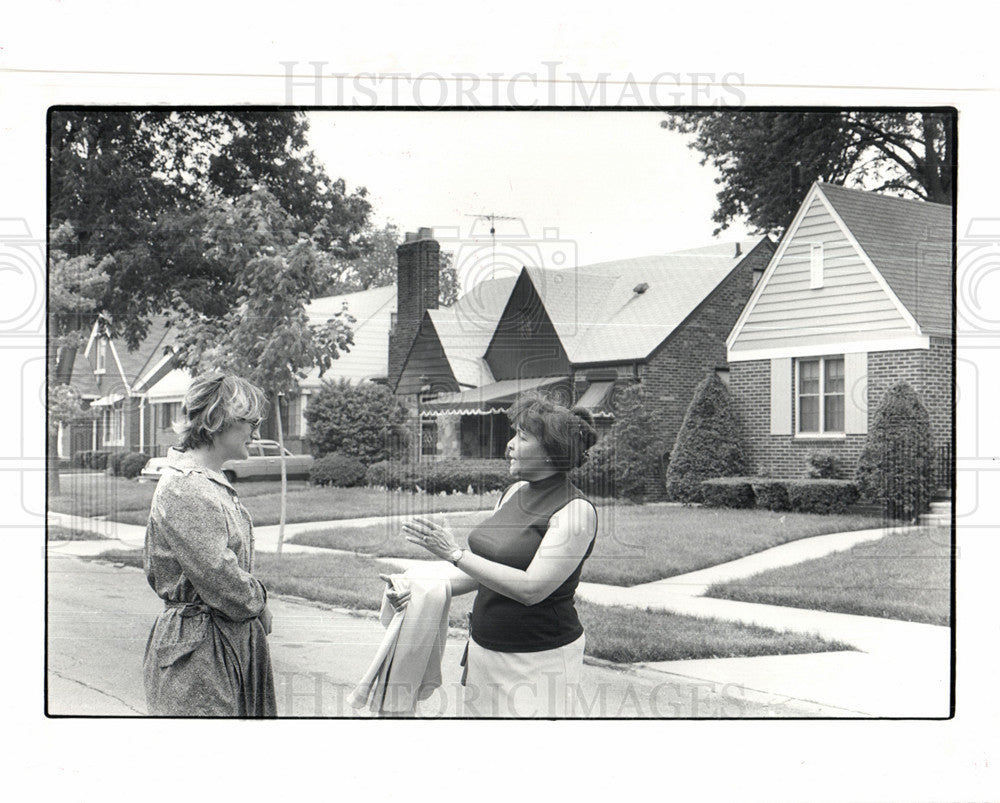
[(895, 668)]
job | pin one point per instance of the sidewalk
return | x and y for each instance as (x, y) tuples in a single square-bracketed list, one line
[(900, 669)]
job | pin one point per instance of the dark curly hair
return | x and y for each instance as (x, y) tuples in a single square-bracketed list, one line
[(565, 434)]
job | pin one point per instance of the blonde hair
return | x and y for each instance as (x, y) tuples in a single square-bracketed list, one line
[(212, 403)]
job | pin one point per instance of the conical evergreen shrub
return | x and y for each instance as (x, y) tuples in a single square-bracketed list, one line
[(895, 466), (709, 444)]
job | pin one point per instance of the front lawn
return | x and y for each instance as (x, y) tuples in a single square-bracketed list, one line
[(128, 501), (623, 635), (902, 576), (634, 544)]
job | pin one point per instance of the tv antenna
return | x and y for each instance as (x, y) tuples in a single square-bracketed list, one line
[(492, 218)]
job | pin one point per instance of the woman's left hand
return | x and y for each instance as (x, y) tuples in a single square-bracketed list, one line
[(433, 537)]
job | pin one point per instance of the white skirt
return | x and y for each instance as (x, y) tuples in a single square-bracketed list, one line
[(522, 684)]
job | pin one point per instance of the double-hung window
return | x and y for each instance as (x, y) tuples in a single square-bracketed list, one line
[(819, 396)]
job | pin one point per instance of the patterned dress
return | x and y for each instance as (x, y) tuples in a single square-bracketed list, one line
[(207, 653)]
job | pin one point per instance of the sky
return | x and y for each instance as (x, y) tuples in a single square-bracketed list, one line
[(600, 185)]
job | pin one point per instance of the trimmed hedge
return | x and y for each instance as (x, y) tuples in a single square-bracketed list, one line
[(132, 464), (96, 459), (802, 496), (771, 494), (821, 496), (727, 492), (115, 461), (449, 476), (341, 471)]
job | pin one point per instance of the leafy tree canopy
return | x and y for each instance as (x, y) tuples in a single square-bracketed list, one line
[(137, 188), (768, 160), (376, 267)]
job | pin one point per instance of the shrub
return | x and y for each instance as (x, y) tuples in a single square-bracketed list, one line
[(364, 421), (449, 476), (596, 477), (771, 494), (131, 464), (96, 459), (821, 496), (115, 461), (338, 470), (709, 442), (821, 465), (386, 474), (895, 466), (727, 492), (629, 460)]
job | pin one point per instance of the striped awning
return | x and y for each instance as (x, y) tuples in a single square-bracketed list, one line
[(493, 398), (595, 398)]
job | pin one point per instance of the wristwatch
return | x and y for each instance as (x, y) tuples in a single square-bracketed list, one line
[(456, 556)]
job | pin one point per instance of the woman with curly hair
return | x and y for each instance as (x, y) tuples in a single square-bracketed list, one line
[(525, 652)]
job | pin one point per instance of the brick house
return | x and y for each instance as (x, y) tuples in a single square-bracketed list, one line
[(857, 298), (579, 335)]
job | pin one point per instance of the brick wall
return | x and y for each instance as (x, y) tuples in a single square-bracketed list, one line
[(698, 346), (928, 372), (418, 280)]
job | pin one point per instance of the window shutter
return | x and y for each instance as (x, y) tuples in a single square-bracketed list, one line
[(781, 396), (856, 393)]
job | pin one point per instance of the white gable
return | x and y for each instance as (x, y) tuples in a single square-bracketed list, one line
[(843, 305)]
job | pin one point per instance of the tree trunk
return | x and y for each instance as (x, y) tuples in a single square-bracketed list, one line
[(284, 475)]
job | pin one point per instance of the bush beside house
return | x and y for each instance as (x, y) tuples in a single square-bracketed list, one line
[(709, 443), (448, 476), (338, 470), (364, 421), (895, 466)]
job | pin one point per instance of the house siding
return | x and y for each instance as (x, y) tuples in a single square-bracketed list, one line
[(851, 301), (928, 371)]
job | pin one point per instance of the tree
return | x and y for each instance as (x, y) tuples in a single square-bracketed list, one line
[(894, 468), (133, 185), (364, 421), (75, 286), (377, 267), (628, 460), (709, 443), (266, 336), (768, 160)]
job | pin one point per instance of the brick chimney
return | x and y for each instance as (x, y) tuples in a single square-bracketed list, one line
[(418, 278)]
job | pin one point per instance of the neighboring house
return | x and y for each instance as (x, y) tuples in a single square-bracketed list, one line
[(112, 381), (139, 393), (857, 298), (581, 335)]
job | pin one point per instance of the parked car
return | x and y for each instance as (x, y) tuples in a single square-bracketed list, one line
[(264, 463), (152, 469)]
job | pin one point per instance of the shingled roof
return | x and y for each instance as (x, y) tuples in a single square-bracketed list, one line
[(619, 320), (909, 242)]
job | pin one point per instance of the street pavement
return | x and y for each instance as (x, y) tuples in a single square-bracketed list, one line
[(895, 669), (99, 618)]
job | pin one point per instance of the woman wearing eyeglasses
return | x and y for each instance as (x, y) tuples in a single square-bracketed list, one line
[(207, 653)]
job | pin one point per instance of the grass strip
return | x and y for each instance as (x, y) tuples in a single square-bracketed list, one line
[(903, 576), (634, 544), (618, 634)]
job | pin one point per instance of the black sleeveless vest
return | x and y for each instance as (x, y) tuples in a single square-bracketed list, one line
[(511, 536)]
